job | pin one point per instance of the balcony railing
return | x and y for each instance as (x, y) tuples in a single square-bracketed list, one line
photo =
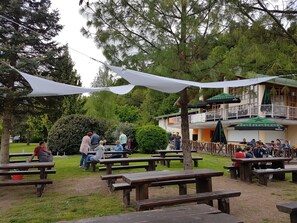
[(243, 111)]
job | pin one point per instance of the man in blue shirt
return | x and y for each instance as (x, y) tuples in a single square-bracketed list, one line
[(95, 139)]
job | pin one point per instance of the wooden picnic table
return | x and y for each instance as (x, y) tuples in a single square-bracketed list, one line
[(245, 166), (110, 162), (200, 213), (142, 180), (10, 169), (164, 152)]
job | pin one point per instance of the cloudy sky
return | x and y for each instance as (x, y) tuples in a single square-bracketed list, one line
[(73, 21)]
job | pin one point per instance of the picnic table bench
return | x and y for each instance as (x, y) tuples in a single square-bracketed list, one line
[(200, 213), (263, 174), (43, 168), (109, 163), (289, 208), (233, 171), (169, 153), (168, 159), (94, 163)]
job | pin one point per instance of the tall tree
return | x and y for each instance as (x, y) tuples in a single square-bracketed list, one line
[(27, 29), (136, 33)]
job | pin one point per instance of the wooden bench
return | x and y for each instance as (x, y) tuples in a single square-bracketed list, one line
[(221, 196), (111, 178), (289, 208), (126, 167), (127, 188), (233, 171), (263, 174), (41, 169), (194, 159)]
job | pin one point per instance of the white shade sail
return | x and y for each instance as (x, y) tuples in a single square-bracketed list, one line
[(44, 87), (171, 85)]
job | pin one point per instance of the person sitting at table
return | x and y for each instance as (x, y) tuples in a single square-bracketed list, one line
[(286, 148), (259, 152), (244, 142), (42, 153), (248, 152), (99, 155), (238, 154), (118, 147)]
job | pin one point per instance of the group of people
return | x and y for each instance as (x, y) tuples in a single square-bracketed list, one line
[(175, 141), (92, 142), (258, 149), (273, 149)]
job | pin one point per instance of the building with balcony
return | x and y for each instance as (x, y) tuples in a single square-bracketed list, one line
[(276, 100)]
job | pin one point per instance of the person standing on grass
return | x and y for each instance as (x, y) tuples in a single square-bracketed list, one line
[(123, 139), (95, 139), (177, 141), (84, 148)]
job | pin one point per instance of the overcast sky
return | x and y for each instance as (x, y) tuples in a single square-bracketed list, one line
[(73, 22)]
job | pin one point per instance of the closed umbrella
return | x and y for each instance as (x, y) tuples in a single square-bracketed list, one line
[(219, 135), (266, 101), (259, 123)]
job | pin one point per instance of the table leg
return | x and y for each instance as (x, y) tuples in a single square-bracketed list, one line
[(152, 166), (162, 155), (204, 185), (141, 192), (279, 176), (108, 168)]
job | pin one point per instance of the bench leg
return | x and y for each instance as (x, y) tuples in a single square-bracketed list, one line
[(126, 197), (294, 177), (168, 163), (224, 205), (293, 217), (40, 188), (182, 189), (195, 163), (233, 173), (93, 167), (263, 178)]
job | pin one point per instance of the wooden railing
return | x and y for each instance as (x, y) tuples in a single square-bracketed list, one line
[(215, 148)]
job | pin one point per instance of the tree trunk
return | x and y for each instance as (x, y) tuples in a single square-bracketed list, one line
[(186, 146), (7, 120), (184, 96)]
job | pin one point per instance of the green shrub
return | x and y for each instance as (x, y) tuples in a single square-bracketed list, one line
[(151, 138), (66, 134)]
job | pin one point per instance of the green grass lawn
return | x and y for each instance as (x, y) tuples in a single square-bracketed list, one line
[(57, 206)]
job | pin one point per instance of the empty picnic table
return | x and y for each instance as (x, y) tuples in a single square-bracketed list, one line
[(201, 213), (164, 152), (110, 162), (142, 180), (245, 166), (43, 168)]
